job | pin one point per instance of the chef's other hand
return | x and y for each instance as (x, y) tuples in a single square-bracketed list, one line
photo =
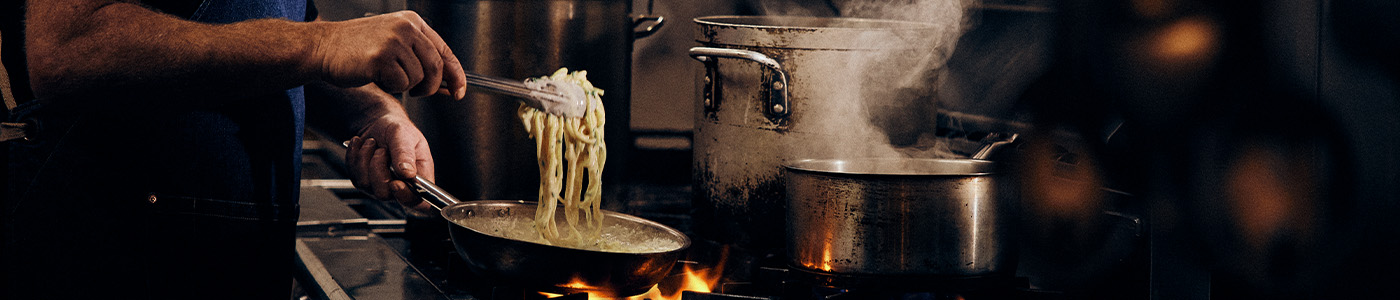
[(397, 51), (385, 141)]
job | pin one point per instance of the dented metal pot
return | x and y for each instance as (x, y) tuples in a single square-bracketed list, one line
[(778, 88)]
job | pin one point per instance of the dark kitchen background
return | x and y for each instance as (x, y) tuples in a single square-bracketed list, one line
[(1170, 149)]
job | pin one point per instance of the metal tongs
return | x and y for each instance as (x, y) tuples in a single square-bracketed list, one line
[(551, 96)]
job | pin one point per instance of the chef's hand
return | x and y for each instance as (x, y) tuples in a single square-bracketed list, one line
[(385, 141), (397, 51)]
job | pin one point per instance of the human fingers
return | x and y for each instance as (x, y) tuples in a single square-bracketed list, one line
[(406, 39), (361, 169), (404, 158), (351, 155), (454, 79), (431, 63), (408, 65), (391, 76), (405, 194), (398, 65), (379, 176)]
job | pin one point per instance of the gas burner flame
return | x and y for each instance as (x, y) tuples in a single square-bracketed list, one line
[(577, 284), (691, 280), (694, 279)]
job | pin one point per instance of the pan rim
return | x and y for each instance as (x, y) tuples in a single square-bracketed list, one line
[(683, 240)]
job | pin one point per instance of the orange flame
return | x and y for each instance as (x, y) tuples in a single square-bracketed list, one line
[(576, 283), (703, 280), (692, 280), (826, 258)]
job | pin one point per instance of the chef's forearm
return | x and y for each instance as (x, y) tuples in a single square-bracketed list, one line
[(92, 47)]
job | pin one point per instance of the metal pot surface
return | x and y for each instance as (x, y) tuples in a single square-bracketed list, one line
[(909, 217), (777, 88), (488, 153)]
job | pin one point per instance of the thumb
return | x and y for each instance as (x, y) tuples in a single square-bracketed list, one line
[(403, 160)]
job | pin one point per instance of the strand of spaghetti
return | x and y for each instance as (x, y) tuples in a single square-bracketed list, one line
[(572, 153), (601, 159), (556, 183), (594, 122), (542, 151), (571, 199)]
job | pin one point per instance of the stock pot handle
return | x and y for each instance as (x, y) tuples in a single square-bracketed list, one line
[(637, 21), (776, 86)]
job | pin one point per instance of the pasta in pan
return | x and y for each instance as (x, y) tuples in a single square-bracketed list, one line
[(569, 150)]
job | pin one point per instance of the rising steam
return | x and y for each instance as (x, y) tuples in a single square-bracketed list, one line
[(948, 14), (899, 85)]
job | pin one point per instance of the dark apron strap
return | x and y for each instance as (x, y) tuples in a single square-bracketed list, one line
[(5, 84)]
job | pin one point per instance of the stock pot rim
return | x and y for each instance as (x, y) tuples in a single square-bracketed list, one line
[(807, 22), (818, 33), (895, 166)]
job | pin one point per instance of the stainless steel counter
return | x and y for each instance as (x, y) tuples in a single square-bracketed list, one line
[(364, 267), (341, 254)]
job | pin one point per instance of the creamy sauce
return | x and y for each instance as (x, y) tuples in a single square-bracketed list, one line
[(614, 237)]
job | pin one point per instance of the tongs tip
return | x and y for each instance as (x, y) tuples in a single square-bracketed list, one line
[(559, 97)]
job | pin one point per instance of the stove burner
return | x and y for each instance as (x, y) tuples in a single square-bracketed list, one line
[(575, 296), (909, 282), (691, 295)]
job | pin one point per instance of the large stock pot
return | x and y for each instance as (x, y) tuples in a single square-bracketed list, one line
[(777, 88), (480, 147)]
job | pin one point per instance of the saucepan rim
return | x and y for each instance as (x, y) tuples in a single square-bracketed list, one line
[(895, 166)]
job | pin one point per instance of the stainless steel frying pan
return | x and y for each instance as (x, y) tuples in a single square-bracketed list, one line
[(553, 268)]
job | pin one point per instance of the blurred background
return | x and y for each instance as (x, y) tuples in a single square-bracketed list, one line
[(1171, 149)]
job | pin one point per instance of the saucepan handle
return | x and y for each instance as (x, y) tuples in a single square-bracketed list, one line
[(776, 85), (436, 197)]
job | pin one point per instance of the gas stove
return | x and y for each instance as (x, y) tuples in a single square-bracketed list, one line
[(353, 247), (371, 250)]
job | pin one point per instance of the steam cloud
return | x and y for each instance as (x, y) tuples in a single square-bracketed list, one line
[(899, 86), (948, 14)]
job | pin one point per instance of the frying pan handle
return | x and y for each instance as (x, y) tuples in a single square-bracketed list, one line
[(437, 197)]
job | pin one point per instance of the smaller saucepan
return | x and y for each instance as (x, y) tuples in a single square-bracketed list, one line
[(921, 218)]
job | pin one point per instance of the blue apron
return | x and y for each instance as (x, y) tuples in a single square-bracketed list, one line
[(158, 198)]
